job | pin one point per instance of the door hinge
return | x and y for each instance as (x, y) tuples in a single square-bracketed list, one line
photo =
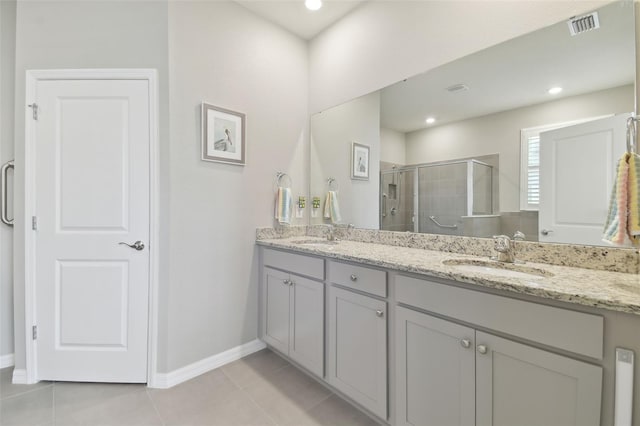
[(34, 332), (34, 223), (34, 110)]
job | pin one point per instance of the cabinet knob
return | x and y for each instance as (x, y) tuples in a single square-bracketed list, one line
[(380, 313), (546, 232), (286, 282), (354, 277), (465, 343), (482, 349)]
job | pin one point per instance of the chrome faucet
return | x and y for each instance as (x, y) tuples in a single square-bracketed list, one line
[(331, 236), (506, 247)]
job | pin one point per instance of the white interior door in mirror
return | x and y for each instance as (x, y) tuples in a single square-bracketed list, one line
[(92, 193), (577, 168)]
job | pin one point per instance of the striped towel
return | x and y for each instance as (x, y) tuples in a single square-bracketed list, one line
[(283, 206), (623, 222), (331, 207), (634, 199)]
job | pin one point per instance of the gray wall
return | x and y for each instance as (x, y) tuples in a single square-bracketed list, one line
[(332, 133), (383, 42), (500, 133), (96, 34), (7, 64), (221, 53), (393, 147), (204, 51)]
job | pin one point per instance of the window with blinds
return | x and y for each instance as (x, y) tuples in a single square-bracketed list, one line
[(530, 170), (533, 171)]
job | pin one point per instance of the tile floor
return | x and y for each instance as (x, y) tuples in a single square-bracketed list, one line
[(260, 389)]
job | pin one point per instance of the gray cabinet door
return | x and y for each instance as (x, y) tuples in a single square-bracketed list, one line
[(435, 371), (306, 343), (520, 385), (358, 348), (275, 309)]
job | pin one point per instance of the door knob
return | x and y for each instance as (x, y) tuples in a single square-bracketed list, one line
[(546, 232), (138, 245)]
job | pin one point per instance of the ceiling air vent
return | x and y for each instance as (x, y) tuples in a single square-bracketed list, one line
[(457, 88), (581, 24)]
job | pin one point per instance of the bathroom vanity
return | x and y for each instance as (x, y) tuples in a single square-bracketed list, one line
[(423, 337)]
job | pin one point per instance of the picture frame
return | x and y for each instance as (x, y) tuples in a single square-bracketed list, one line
[(359, 161), (223, 135)]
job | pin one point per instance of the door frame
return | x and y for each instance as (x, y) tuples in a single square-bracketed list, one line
[(32, 79)]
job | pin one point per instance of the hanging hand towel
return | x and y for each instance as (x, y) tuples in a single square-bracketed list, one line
[(331, 207), (283, 206), (615, 228), (633, 199)]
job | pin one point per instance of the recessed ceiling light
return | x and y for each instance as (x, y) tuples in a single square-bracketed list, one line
[(554, 90), (313, 4), (430, 120)]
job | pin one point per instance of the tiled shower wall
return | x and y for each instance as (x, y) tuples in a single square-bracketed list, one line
[(397, 209)]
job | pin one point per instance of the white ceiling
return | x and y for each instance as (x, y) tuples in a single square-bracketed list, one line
[(293, 16), (518, 73)]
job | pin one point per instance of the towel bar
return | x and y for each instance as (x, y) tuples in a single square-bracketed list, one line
[(332, 181), (632, 135), (280, 176)]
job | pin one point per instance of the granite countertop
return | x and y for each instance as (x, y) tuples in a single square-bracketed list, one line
[(602, 289)]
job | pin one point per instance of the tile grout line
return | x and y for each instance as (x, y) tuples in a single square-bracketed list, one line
[(25, 392), (53, 403), (155, 407), (249, 396)]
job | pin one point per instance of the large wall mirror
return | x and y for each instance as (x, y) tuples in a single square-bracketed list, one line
[(522, 136)]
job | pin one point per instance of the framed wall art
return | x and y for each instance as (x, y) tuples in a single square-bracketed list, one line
[(223, 135), (359, 161)]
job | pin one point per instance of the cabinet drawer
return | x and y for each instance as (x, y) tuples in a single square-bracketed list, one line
[(560, 328), (359, 278), (296, 263)]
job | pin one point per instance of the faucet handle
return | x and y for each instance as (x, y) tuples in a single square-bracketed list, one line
[(502, 243), (519, 236)]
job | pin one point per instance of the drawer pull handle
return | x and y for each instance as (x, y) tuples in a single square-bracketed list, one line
[(465, 343), (354, 277), (380, 313), (482, 349)]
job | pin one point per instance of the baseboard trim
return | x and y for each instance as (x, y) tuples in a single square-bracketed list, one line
[(19, 377), (167, 380), (6, 361)]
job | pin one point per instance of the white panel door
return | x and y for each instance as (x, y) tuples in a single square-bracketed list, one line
[(577, 168), (92, 193)]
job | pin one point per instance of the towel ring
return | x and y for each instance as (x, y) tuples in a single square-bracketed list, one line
[(280, 176), (632, 135), (332, 183)]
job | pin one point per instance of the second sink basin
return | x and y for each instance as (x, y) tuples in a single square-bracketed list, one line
[(499, 269)]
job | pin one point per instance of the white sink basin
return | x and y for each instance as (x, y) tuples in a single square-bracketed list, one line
[(498, 269)]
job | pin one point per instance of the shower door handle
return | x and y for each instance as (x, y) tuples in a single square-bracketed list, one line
[(4, 216), (384, 205)]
